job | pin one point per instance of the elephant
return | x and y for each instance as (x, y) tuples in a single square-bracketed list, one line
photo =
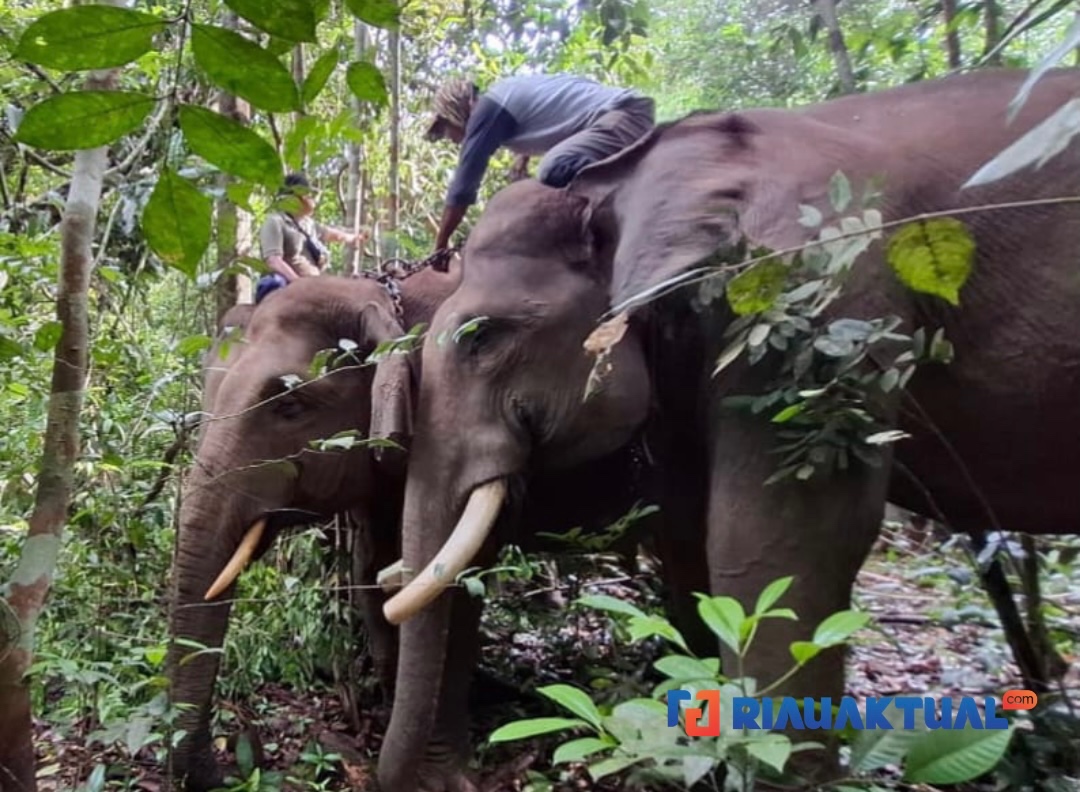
[(543, 266), (255, 472)]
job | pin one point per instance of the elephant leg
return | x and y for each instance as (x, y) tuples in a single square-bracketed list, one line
[(376, 548), (449, 749), (679, 541), (820, 531)]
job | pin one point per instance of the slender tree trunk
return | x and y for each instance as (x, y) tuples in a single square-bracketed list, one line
[(233, 223), (354, 198), (826, 9), (992, 21), (952, 36), (298, 77), (395, 127), (1076, 53), (30, 584)]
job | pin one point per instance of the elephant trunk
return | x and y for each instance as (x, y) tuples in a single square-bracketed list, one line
[(193, 624)]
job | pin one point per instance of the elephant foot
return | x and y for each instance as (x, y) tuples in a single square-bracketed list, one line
[(443, 779)]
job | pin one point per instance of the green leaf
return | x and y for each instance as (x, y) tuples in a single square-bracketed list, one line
[(839, 627), (88, 37), (366, 82), (756, 289), (950, 757), (933, 256), (789, 412), (839, 191), (608, 603), (193, 345), (770, 749), (290, 19), (380, 13), (804, 651), (613, 765), (83, 119), (874, 749), (576, 750), (574, 700), (47, 335), (687, 668), (724, 616), (531, 727), (244, 68), (318, 76), (230, 146), (646, 626), (176, 222), (771, 594)]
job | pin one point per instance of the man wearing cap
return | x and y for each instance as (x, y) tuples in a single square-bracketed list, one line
[(292, 242), (570, 120)]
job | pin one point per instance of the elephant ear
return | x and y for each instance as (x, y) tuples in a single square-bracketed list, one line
[(391, 387), (695, 188)]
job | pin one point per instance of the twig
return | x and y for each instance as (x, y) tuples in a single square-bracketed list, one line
[(33, 155), (151, 128), (41, 74)]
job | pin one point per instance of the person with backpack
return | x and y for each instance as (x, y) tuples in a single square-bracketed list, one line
[(292, 242)]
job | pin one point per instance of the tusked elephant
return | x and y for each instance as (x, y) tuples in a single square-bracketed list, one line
[(995, 439), (255, 471)]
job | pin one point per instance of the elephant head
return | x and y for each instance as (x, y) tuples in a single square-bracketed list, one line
[(507, 386), (259, 468)]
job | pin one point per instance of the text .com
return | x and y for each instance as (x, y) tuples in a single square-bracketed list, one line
[(808, 713)]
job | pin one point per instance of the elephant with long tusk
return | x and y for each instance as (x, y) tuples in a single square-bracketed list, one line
[(256, 471)]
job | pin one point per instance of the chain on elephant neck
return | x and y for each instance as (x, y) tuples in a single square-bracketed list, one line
[(393, 271)]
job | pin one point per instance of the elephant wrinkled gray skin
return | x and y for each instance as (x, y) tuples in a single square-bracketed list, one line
[(996, 433), (235, 481)]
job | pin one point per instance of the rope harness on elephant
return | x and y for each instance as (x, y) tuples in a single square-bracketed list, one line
[(394, 271)]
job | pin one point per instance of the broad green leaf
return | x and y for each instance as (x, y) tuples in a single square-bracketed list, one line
[(839, 191), (608, 603), (380, 13), (88, 37), (319, 74), (289, 19), (839, 627), (176, 222), (933, 256), (695, 768), (789, 412), (770, 749), (83, 119), (574, 700), (576, 750), (874, 749), (771, 594), (950, 757), (724, 616), (47, 335), (366, 82), (230, 146), (686, 668), (531, 727), (193, 345), (613, 765), (1037, 145), (646, 626), (804, 651), (756, 289), (244, 68)]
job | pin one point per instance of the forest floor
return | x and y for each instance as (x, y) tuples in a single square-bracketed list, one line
[(934, 633)]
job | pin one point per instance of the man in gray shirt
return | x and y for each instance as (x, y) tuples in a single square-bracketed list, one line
[(570, 120)]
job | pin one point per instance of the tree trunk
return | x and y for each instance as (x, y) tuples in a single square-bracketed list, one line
[(30, 584), (298, 78), (952, 36), (354, 198), (826, 9), (992, 20), (233, 223), (395, 127)]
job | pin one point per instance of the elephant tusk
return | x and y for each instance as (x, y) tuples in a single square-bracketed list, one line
[(392, 577), (239, 560), (464, 543)]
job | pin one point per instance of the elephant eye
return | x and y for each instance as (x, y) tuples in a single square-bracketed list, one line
[(289, 406)]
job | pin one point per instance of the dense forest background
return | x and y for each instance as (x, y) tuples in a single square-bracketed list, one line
[(155, 280)]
